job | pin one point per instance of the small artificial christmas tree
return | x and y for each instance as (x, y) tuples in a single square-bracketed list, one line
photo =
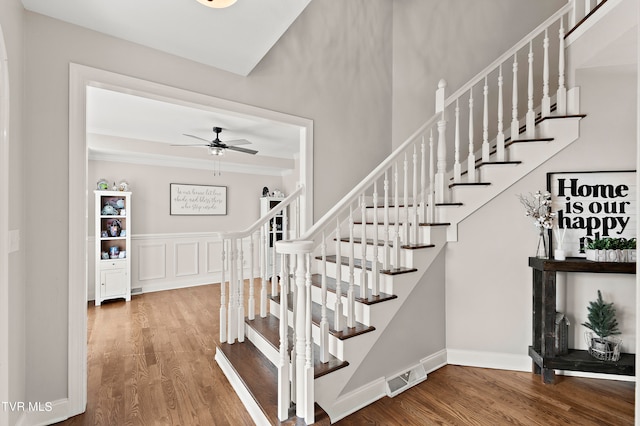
[(602, 321)]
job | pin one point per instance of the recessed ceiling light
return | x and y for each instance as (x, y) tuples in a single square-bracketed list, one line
[(218, 4)]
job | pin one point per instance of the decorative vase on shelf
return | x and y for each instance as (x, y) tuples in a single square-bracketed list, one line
[(541, 251)]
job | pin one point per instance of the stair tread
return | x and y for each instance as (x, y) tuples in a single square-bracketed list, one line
[(469, 184), (357, 263), (260, 377), (393, 224), (448, 204), (269, 328), (316, 316), (316, 280), (380, 243)]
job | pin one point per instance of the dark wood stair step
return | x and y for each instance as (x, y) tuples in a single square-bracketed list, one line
[(380, 243), (316, 281), (458, 184), (269, 328), (393, 224), (260, 377), (357, 263), (316, 316), (448, 204)]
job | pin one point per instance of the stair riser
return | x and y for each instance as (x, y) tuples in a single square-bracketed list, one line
[(425, 233), (371, 213), (463, 194), (363, 312)]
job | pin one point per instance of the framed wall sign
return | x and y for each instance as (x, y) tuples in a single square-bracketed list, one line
[(197, 200), (593, 205)]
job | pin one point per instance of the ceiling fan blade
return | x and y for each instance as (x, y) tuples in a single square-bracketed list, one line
[(236, 142), (245, 150), (198, 137), (190, 144)]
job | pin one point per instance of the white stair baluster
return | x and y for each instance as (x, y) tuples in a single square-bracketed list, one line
[(338, 322), (515, 123), (471, 159), (573, 16), (233, 293), (301, 333), (387, 251), (457, 168), (263, 271), (415, 222), (240, 293), (546, 100), (284, 389), (432, 180), (363, 245), (252, 297), (324, 322), (531, 115), (396, 227), (223, 299), (274, 257), (441, 165), (405, 225), (309, 397), (351, 301), (500, 154), (423, 182), (375, 285), (587, 7), (486, 151), (561, 95)]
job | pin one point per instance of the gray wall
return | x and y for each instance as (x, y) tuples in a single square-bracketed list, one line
[(455, 40), (489, 299), (332, 66), (150, 197), (11, 21)]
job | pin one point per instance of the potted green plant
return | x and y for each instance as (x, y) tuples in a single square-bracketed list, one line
[(611, 249), (602, 322)]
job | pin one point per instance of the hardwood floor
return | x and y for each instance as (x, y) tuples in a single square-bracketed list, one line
[(150, 362)]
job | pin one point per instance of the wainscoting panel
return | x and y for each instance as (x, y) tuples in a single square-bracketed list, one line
[(186, 258), (151, 261)]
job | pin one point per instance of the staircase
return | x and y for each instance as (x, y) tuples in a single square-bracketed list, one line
[(348, 297)]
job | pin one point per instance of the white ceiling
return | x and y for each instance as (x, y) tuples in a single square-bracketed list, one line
[(127, 128), (234, 39)]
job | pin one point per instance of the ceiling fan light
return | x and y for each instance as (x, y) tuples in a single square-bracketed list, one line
[(217, 4), (213, 150)]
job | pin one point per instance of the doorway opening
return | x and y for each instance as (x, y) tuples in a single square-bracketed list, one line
[(81, 78)]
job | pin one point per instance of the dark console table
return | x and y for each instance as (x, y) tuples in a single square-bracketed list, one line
[(544, 311)]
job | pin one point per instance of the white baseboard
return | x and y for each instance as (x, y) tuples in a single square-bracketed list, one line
[(495, 360), (46, 413), (357, 399), (249, 403), (435, 361)]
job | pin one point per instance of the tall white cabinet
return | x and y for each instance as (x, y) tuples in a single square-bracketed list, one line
[(113, 245)]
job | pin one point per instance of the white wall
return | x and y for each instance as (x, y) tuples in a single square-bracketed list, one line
[(489, 288), (11, 21)]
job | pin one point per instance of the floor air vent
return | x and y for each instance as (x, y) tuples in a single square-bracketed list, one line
[(404, 381)]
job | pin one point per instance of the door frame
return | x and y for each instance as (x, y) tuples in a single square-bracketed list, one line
[(4, 228), (80, 77)]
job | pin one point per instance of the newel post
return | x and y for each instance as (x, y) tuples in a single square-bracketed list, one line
[(441, 165), (301, 251)]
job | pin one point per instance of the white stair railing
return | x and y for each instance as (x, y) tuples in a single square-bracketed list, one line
[(239, 257), (386, 253)]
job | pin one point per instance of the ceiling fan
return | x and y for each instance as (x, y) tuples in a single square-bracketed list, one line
[(217, 147)]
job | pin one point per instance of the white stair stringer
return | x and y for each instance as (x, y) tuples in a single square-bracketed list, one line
[(329, 388), (564, 131)]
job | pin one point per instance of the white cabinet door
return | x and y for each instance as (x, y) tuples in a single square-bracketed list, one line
[(113, 282)]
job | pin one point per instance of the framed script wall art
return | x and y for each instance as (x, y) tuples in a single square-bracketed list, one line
[(593, 205), (197, 200)]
